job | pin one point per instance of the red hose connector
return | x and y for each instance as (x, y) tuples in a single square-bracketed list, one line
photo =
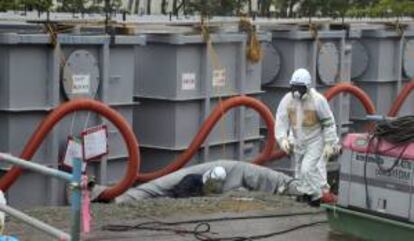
[(206, 128), (77, 105)]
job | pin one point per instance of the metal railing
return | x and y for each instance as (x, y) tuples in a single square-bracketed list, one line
[(75, 184)]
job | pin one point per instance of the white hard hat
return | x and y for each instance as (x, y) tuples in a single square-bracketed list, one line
[(301, 77), (217, 173)]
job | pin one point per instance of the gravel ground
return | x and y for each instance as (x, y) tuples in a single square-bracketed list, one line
[(233, 204)]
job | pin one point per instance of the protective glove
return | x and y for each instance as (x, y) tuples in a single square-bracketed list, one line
[(286, 146), (331, 150)]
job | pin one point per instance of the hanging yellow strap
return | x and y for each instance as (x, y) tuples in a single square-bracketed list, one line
[(254, 49), (216, 66)]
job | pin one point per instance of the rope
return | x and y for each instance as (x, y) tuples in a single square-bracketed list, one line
[(313, 28), (399, 28), (54, 30), (315, 35), (52, 33), (72, 123), (216, 67), (254, 49)]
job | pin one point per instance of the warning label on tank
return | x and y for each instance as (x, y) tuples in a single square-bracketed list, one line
[(219, 77), (81, 84), (188, 81)]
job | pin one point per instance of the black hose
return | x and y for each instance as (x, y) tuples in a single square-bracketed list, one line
[(202, 230), (120, 228), (399, 131)]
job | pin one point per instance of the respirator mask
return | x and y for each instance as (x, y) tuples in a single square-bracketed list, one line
[(298, 91)]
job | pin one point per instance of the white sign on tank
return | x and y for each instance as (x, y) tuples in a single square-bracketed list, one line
[(81, 84)]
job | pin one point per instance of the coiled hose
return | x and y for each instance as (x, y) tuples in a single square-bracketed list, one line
[(398, 131), (58, 114)]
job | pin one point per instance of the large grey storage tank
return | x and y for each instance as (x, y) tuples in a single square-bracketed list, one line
[(380, 53), (182, 67), (320, 51), (28, 60), (382, 64), (16, 128), (36, 77), (180, 82), (157, 158), (173, 125)]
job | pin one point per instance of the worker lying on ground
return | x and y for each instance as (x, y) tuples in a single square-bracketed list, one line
[(209, 178), (193, 185), (305, 129)]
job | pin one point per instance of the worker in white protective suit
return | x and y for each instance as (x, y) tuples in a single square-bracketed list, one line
[(305, 129)]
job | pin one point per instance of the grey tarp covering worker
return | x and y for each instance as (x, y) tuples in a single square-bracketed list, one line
[(237, 175), (305, 128)]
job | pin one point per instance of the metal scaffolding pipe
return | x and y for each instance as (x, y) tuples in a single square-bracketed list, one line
[(75, 183), (35, 167), (37, 224)]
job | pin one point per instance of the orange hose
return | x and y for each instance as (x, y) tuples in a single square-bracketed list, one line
[(355, 91), (330, 94), (401, 99), (53, 118), (206, 128)]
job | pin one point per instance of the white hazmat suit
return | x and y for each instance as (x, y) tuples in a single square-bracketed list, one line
[(305, 123)]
